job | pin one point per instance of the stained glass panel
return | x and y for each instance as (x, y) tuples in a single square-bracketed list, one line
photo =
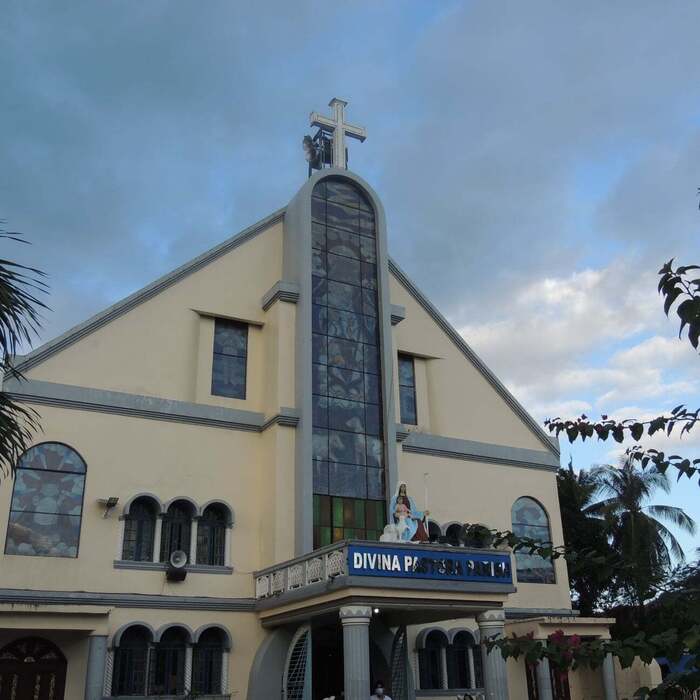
[(348, 445), (47, 502), (530, 520)]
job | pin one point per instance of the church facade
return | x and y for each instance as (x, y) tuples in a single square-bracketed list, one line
[(252, 480)]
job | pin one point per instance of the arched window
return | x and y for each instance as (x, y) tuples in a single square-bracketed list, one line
[(211, 535), (431, 659), (47, 502), (464, 662), (131, 662), (207, 662), (167, 671), (177, 529), (453, 533), (140, 530), (530, 520)]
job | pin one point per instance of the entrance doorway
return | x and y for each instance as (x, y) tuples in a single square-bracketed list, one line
[(32, 668), (327, 665)]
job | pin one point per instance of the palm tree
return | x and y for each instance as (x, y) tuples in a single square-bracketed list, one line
[(19, 321), (584, 532), (646, 546)]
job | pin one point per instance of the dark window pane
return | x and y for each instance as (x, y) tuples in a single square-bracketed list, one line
[(375, 451), (38, 534), (371, 330), (345, 324), (347, 415), (375, 488), (369, 275), (407, 398), (344, 296), (530, 520), (346, 447), (319, 406), (345, 353), (373, 419), (48, 492), (406, 371), (320, 348), (319, 319), (369, 303), (228, 376), (176, 530), (368, 249), (340, 216), (320, 444), (319, 290), (318, 263), (345, 384), (211, 537), (371, 388), (342, 192), (319, 379), (343, 269), (347, 480), (371, 359), (367, 227), (318, 236), (52, 456), (318, 210), (344, 243), (230, 338), (320, 477)]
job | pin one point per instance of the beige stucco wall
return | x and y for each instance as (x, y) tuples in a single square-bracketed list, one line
[(460, 402), (153, 349), (475, 492)]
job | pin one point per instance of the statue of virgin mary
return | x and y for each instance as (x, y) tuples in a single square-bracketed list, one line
[(408, 520)]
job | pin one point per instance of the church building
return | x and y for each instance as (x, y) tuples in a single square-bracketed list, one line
[(252, 480)]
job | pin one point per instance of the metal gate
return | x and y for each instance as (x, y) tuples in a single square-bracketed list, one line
[(399, 665), (296, 684)]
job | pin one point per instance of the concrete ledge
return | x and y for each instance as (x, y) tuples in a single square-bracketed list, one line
[(160, 566), (281, 291), (398, 314), (456, 448), (126, 600)]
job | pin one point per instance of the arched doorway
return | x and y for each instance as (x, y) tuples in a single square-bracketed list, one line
[(32, 668)]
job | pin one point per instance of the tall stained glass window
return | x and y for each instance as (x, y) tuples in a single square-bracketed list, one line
[(47, 502), (348, 442), (230, 356), (407, 390), (530, 520)]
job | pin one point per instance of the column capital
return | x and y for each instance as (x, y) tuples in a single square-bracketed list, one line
[(491, 619), (355, 614)]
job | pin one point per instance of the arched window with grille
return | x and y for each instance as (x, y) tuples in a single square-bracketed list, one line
[(530, 520), (131, 658), (47, 502), (207, 662), (211, 535), (431, 660), (140, 530), (453, 534), (464, 662), (167, 670), (177, 529)]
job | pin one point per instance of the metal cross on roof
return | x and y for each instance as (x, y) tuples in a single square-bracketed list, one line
[(336, 124)]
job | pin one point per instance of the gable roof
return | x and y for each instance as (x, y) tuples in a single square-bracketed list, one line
[(74, 334)]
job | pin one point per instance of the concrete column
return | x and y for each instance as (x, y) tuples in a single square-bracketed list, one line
[(544, 680), (156, 538), (193, 541), (444, 681), (188, 669), (472, 668), (95, 672), (492, 624), (355, 620), (609, 684), (227, 547), (224, 672)]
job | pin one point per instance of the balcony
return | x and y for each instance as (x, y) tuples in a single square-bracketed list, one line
[(382, 565)]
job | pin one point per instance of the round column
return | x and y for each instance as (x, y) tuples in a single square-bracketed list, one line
[(609, 684), (355, 620), (544, 680), (491, 625), (95, 674)]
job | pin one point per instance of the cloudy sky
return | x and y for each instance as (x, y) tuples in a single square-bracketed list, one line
[(538, 162)]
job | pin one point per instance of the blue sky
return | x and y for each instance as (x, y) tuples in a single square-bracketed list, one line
[(538, 163)]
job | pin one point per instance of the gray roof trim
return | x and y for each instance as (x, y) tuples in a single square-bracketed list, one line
[(455, 448), (457, 339), (126, 600), (524, 613), (149, 407), (71, 336)]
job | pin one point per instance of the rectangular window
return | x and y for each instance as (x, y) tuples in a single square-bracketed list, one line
[(337, 518), (230, 356), (407, 390)]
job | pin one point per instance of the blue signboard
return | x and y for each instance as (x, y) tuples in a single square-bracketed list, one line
[(425, 562)]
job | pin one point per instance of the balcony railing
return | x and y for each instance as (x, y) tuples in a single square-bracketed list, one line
[(405, 560)]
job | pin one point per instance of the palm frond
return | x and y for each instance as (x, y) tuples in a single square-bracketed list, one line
[(674, 515)]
